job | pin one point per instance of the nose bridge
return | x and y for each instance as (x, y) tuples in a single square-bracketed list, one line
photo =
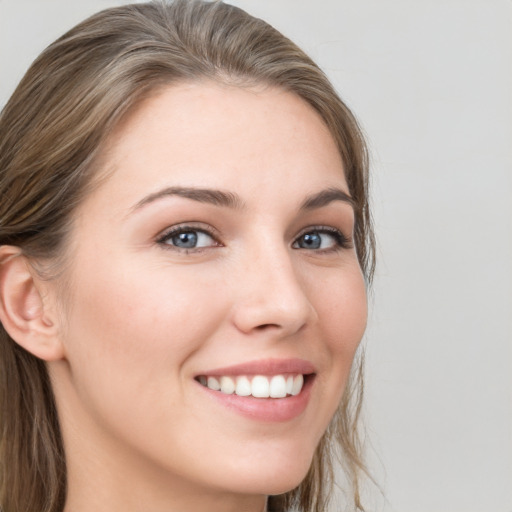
[(271, 292)]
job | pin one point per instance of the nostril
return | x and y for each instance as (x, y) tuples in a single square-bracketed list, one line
[(266, 326)]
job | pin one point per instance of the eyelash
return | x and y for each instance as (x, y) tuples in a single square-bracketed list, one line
[(340, 239), (177, 230)]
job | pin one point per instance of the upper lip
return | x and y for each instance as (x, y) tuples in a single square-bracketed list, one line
[(264, 367)]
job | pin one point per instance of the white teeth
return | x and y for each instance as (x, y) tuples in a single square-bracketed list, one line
[(243, 386), (227, 385), (260, 387), (289, 384), (277, 386), (213, 383), (298, 381)]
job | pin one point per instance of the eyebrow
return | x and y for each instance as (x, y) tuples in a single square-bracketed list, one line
[(324, 197), (232, 200), (202, 195)]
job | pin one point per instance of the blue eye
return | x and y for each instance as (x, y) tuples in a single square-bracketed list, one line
[(321, 239), (187, 238)]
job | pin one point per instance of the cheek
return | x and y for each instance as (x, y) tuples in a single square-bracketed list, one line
[(342, 308), (130, 345), (138, 328), (341, 305)]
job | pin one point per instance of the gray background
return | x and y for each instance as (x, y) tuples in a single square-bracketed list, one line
[(431, 83)]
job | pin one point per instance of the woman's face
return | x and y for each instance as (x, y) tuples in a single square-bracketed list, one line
[(217, 252)]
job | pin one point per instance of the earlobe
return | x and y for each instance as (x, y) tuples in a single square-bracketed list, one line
[(23, 311)]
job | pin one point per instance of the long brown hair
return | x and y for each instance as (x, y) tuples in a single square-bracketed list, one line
[(51, 133)]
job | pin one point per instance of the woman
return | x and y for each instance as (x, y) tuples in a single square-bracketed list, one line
[(185, 243)]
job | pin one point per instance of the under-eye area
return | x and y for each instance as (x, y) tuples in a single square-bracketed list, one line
[(257, 386)]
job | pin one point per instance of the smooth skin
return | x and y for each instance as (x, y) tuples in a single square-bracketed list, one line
[(161, 288)]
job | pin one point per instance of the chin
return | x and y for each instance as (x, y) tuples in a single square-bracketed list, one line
[(271, 486), (274, 476), (284, 484)]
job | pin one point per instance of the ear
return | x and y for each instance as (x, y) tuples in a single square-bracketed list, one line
[(25, 309)]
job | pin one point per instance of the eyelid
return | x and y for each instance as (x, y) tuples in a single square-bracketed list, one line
[(187, 226), (342, 240)]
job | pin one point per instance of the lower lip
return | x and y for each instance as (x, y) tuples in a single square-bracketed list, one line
[(266, 409)]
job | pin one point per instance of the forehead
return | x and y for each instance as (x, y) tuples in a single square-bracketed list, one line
[(223, 136)]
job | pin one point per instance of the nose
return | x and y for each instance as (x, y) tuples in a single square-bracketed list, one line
[(271, 295)]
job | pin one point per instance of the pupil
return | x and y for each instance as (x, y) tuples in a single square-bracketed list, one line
[(186, 240), (312, 241)]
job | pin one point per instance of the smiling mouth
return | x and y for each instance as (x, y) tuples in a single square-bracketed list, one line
[(257, 386)]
